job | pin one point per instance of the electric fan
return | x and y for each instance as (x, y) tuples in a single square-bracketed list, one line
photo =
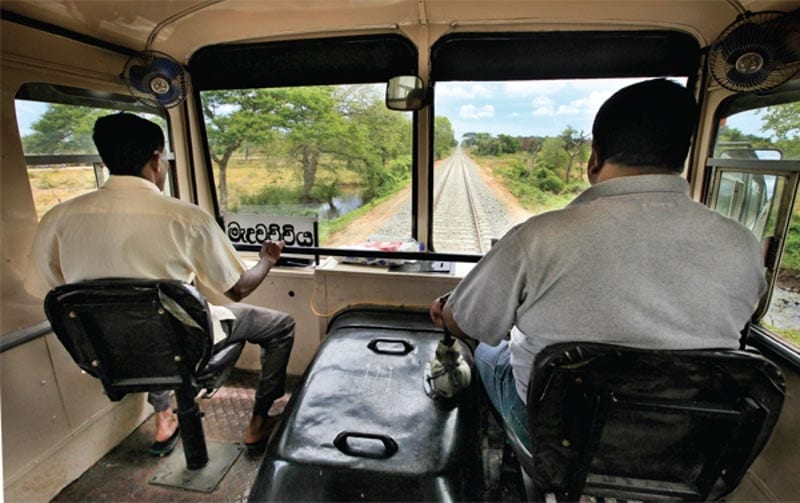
[(155, 79), (757, 52)]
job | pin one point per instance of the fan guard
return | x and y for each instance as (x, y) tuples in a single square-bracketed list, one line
[(155, 79), (757, 52)]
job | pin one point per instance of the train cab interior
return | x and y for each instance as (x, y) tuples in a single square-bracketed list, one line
[(389, 144)]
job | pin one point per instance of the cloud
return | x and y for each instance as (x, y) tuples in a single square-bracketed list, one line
[(473, 112), (464, 92), (591, 104), (534, 88), (568, 110), (545, 106)]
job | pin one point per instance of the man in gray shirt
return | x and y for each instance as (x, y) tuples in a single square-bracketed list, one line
[(633, 260)]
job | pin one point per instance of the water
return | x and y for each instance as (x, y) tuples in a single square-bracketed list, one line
[(343, 204), (348, 201)]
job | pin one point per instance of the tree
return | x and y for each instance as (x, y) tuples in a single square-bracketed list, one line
[(783, 122), (532, 145), (552, 155), (63, 129), (233, 118), (444, 138), (309, 120), (377, 138), (574, 144)]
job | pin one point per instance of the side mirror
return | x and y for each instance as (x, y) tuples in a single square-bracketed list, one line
[(763, 154), (405, 93)]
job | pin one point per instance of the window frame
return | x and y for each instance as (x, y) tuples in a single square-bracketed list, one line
[(49, 93), (758, 335), (322, 61)]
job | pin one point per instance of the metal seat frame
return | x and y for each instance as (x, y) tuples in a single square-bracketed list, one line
[(149, 335), (624, 423)]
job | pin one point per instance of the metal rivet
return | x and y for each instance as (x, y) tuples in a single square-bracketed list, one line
[(72, 314), (161, 310), (565, 443), (178, 358), (95, 363)]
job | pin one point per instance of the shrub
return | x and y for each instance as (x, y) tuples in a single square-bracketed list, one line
[(552, 184), (272, 196)]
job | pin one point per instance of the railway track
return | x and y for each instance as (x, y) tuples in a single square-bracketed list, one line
[(458, 216)]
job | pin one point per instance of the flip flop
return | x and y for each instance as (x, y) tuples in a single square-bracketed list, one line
[(257, 447), (165, 447)]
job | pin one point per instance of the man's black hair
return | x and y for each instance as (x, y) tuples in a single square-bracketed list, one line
[(646, 125), (126, 142)]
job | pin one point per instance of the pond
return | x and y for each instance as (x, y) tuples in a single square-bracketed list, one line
[(347, 201), (343, 204)]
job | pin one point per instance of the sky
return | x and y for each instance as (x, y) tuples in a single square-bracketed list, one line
[(534, 108), (516, 108), (28, 112)]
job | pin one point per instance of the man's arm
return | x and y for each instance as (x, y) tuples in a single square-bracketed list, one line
[(249, 280), (442, 316)]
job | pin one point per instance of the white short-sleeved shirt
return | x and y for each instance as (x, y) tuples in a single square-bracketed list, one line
[(129, 229), (632, 261)]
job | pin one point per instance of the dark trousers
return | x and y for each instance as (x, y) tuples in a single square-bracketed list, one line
[(270, 329)]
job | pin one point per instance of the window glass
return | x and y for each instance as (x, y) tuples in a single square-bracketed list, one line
[(752, 195), (752, 199), (768, 133), (783, 316), (332, 153), (61, 157), (507, 150)]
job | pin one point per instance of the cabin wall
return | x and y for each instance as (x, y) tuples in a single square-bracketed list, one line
[(773, 476), (56, 421)]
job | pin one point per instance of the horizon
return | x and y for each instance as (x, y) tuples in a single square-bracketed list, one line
[(516, 108)]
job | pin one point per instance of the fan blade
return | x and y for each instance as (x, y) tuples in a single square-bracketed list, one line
[(747, 80), (170, 97), (167, 68), (138, 77)]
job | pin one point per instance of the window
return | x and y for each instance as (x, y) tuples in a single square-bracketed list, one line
[(756, 165), (56, 124), (507, 150), (332, 153)]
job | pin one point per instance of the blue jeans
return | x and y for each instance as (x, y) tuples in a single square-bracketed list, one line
[(494, 367)]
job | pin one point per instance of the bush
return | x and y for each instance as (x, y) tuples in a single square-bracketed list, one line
[(272, 196), (576, 187), (791, 251), (543, 173), (551, 184)]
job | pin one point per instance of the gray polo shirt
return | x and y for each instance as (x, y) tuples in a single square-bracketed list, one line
[(632, 261)]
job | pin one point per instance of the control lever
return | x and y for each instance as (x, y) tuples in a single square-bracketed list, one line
[(448, 372)]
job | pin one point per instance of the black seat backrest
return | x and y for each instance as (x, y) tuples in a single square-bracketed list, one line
[(135, 335), (641, 424)]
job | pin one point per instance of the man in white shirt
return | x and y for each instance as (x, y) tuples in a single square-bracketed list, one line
[(129, 228), (632, 261)]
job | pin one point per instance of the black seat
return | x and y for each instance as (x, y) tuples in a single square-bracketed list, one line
[(144, 335), (608, 421)]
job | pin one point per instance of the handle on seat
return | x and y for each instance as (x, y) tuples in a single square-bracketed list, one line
[(397, 347), (388, 449)]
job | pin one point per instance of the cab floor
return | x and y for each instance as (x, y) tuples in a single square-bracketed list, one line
[(123, 474)]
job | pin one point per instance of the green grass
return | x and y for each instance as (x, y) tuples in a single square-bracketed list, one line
[(328, 227), (790, 334), (538, 191)]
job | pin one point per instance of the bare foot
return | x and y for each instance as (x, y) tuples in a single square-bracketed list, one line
[(259, 429), (166, 424)]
